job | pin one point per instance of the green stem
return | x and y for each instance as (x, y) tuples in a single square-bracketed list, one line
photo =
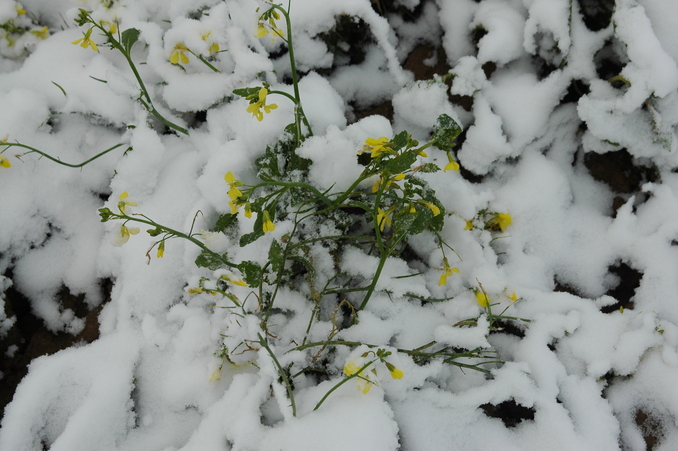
[(56, 160), (148, 103), (288, 385), (178, 234), (295, 77), (342, 382)]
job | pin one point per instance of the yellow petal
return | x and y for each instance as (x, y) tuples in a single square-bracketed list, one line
[(351, 368), (452, 166), (396, 373), (482, 299)]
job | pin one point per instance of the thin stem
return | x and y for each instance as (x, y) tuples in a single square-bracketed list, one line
[(342, 382), (288, 385), (56, 160), (293, 65), (148, 103), (178, 234)]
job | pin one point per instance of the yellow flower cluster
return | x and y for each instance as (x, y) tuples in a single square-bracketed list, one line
[(214, 47), (235, 194), (264, 27), (364, 379), (376, 146)]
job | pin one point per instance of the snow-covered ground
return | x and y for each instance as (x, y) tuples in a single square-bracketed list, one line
[(548, 92)]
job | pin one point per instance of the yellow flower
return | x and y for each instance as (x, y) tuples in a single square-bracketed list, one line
[(231, 278), (351, 368), (179, 53), (4, 162), (469, 225), (447, 272), (196, 290), (390, 184), (433, 207), (234, 192), (452, 166), (112, 27), (161, 249), (86, 41), (256, 107), (234, 207), (248, 210), (383, 219), (121, 235), (19, 9), (263, 29), (214, 47), (395, 372), (501, 220), (376, 146), (482, 299), (123, 203), (513, 296), (42, 33), (362, 380), (267, 223)]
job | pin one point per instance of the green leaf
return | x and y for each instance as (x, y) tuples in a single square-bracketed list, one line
[(438, 221), (275, 256), (129, 37), (252, 273), (225, 221), (404, 220), (429, 167), (251, 237), (248, 93), (401, 163), (446, 129), (400, 140), (210, 261), (422, 221)]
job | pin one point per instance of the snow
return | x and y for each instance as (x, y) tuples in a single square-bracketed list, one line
[(155, 379)]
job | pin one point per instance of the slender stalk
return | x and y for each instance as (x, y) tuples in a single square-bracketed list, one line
[(342, 382), (293, 65), (178, 234), (56, 160), (147, 102), (285, 379)]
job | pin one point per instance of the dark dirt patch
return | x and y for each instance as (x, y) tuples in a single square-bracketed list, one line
[(622, 173), (30, 338), (651, 427), (629, 281), (509, 412)]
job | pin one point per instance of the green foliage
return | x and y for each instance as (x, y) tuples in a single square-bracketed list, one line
[(129, 37), (319, 226), (209, 260)]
